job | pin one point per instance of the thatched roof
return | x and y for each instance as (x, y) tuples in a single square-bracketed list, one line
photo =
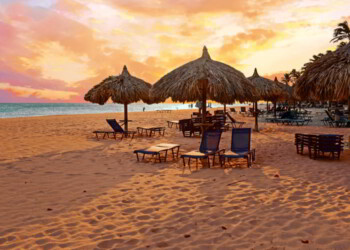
[(224, 83), (288, 93), (269, 90), (123, 89), (328, 77)]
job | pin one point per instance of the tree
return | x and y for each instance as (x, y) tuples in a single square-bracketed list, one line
[(341, 33), (286, 78)]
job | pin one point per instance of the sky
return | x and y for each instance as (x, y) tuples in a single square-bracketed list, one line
[(56, 50)]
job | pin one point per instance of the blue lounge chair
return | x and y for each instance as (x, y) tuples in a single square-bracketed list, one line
[(117, 129), (209, 147), (240, 147)]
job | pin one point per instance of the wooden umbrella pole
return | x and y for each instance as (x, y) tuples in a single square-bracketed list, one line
[(204, 100), (125, 116), (274, 107), (349, 105), (224, 108), (267, 106), (256, 117)]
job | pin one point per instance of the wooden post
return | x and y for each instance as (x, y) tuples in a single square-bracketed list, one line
[(204, 100), (125, 116), (349, 106), (256, 117), (267, 106), (274, 107), (225, 109)]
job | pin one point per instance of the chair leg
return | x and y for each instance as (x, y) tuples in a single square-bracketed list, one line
[(222, 161), (166, 154)]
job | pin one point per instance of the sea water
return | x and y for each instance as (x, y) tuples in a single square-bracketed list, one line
[(10, 110)]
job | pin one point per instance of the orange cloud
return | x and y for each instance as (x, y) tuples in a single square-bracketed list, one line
[(70, 46), (242, 44), (170, 7), (70, 6), (48, 94)]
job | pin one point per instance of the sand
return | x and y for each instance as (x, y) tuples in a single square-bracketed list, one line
[(61, 188)]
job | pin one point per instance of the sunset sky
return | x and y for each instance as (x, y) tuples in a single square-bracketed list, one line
[(56, 50)]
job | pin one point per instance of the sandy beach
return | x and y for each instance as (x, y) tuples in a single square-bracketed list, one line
[(61, 188)]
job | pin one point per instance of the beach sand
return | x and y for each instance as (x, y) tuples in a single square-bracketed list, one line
[(61, 188)]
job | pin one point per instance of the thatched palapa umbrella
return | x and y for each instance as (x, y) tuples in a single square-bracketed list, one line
[(328, 77), (287, 91), (123, 89), (204, 79), (268, 90)]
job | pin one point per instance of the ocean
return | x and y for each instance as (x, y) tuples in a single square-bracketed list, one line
[(11, 110)]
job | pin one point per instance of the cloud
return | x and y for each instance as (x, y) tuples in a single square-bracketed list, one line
[(70, 6), (48, 94), (241, 45), (279, 75), (184, 7), (70, 46)]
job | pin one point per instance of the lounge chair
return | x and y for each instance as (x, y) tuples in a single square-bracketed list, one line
[(219, 112), (240, 147), (305, 141), (234, 123), (117, 129), (233, 110), (329, 119), (149, 131), (219, 122), (188, 129), (157, 150), (171, 123), (292, 118), (332, 145), (342, 122), (209, 147)]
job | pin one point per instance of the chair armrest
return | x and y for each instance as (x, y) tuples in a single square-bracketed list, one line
[(220, 151)]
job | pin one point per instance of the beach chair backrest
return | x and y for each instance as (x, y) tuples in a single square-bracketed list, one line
[(210, 141), (330, 143), (241, 139), (329, 115), (231, 118), (115, 125), (218, 112)]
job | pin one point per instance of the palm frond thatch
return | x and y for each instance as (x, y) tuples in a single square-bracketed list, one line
[(287, 93), (224, 83), (122, 89), (327, 78), (269, 90)]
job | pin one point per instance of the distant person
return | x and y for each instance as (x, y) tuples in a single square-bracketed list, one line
[(144, 109)]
